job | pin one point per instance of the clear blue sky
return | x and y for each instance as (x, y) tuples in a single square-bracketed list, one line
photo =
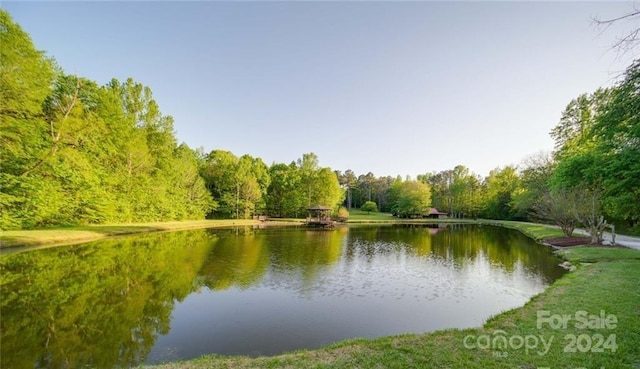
[(392, 88)]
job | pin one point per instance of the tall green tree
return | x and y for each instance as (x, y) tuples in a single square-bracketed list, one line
[(74, 152), (535, 188), (26, 75), (308, 166), (348, 181), (618, 130), (282, 200), (440, 184), (238, 185), (412, 198), (253, 178), (318, 185), (601, 155), (381, 188), (501, 187), (458, 191), (327, 189), (192, 196), (218, 172), (146, 158), (572, 134), (465, 190)]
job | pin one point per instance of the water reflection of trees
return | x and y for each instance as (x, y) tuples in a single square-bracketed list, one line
[(99, 305), (104, 304), (458, 244), (238, 259), (242, 258), (304, 256)]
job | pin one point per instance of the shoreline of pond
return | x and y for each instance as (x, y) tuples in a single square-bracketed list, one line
[(24, 240), (63, 236), (577, 295), (616, 269)]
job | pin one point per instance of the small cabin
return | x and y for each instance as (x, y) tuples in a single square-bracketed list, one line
[(435, 214)]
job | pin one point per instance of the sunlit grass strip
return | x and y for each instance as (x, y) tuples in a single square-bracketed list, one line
[(70, 235), (534, 230), (605, 282), (356, 215), (359, 216), (44, 237)]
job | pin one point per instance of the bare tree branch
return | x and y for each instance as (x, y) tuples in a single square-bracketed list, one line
[(613, 20), (631, 39)]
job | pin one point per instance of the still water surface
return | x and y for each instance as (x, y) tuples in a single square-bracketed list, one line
[(170, 296)]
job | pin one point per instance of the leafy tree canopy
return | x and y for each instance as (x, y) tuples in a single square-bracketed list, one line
[(369, 206)]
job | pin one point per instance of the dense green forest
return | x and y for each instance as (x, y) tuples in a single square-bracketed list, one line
[(592, 177), (75, 152)]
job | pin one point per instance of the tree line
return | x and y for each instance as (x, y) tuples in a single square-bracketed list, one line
[(458, 192), (75, 152), (245, 186), (591, 179)]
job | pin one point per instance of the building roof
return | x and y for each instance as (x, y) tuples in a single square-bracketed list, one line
[(434, 211), (320, 208)]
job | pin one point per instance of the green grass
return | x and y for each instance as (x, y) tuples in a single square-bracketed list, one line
[(77, 234), (599, 254), (606, 279), (356, 215), (359, 216), (70, 235), (534, 230)]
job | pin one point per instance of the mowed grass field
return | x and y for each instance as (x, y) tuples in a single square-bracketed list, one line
[(356, 215), (71, 235), (77, 234)]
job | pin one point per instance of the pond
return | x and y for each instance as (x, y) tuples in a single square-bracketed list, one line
[(169, 296)]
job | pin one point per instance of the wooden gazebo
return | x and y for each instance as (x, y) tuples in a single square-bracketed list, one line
[(320, 216)]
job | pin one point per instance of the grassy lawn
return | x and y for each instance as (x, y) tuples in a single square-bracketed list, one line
[(359, 216), (77, 234), (70, 235), (356, 216), (606, 282), (534, 230)]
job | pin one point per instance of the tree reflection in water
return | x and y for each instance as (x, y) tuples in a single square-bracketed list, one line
[(104, 304)]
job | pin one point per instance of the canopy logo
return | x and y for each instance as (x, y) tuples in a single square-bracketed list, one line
[(500, 343)]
